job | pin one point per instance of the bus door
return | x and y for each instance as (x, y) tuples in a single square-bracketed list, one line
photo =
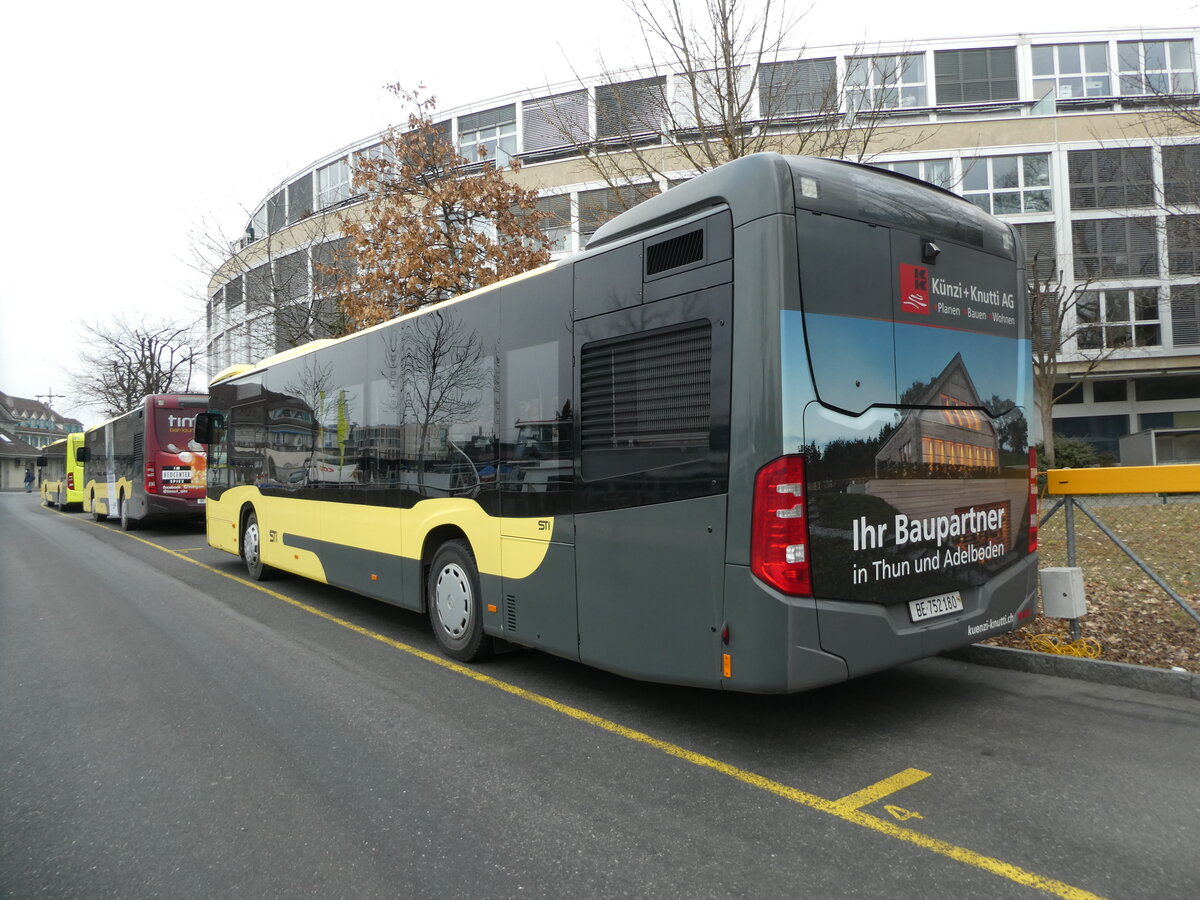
[(534, 465), (652, 394)]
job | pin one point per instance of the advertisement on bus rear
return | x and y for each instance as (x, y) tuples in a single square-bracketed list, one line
[(182, 464)]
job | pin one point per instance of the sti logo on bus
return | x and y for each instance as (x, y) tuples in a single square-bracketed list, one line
[(914, 289)]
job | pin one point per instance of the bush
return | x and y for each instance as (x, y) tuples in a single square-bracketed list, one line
[(1069, 453)]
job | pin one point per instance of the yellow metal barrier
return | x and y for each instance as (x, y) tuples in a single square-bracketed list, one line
[(1125, 480)]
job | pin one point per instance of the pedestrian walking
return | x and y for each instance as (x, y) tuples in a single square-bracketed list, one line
[(28, 480)]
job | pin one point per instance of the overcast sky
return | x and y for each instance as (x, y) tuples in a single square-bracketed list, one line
[(131, 127)]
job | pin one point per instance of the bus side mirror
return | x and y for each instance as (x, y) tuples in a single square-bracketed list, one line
[(41, 462), (83, 454), (207, 424)]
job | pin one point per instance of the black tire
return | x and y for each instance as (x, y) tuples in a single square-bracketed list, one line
[(127, 524), (96, 514), (251, 549), (453, 600)]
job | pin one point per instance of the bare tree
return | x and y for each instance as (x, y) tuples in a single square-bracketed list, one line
[(1055, 327), (720, 87), (124, 361), (272, 281)]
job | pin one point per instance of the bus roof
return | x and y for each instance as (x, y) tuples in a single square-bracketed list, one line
[(765, 184)]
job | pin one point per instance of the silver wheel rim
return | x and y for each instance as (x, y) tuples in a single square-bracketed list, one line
[(124, 514), (250, 544), (452, 595)]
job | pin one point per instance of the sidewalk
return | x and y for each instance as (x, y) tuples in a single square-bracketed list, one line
[(1142, 678)]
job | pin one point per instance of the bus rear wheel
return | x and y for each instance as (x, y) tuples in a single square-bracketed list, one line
[(127, 524), (452, 597), (251, 549)]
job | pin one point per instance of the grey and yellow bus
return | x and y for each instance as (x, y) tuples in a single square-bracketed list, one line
[(768, 432), (144, 464), (62, 472)]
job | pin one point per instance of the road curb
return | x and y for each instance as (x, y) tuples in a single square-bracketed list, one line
[(1142, 678)]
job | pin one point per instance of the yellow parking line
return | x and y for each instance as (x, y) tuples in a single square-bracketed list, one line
[(847, 809), (880, 789)]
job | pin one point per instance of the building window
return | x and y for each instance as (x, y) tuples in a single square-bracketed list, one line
[(975, 76), (277, 211), (1156, 67), (1185, 315), (1181, 174), (797, 88), (597, 207), (291, 276), (1105, 248), (1119, 318), (1071, 71), (333, 184), (1183, 244), (935, 171), (1041, 254), (1109, 391), (300, 199), (258, 288), (1108, 179), (258, 224), (631, 108), (233, 292), (558, 121), (557, 223), (489, 135), (1008, 184), (886, 82)]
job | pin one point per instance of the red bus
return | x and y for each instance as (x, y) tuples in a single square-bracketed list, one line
[(144, 464)]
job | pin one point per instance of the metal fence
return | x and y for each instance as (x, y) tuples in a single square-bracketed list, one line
[(1146, 535)]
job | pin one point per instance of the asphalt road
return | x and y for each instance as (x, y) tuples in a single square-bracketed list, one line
[(170, 730)]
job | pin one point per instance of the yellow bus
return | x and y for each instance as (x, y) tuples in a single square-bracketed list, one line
[(62, 472)]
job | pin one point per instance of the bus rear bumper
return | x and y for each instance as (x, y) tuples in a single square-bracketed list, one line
[(873, 636), (159, 506), (829, 641)]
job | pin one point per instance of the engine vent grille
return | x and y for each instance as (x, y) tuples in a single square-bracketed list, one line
[(675, 252)]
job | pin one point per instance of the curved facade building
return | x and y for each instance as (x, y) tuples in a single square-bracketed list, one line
[(1088, 142)]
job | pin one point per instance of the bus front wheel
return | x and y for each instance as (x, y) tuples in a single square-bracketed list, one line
[(452, 596), (251, 549)]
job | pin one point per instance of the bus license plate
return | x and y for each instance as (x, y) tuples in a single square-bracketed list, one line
[(932, 607)]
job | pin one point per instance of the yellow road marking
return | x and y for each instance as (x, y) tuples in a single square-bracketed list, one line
[(880, 789), (840, 809)]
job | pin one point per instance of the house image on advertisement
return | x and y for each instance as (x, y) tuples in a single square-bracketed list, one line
[(955, 434), (950, 438)]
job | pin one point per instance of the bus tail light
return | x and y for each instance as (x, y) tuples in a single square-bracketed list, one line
[(1033, 500), (779, 527), (151, 479), (70, 481)]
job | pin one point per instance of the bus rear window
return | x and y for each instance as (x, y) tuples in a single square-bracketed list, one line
[(174, 428)]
